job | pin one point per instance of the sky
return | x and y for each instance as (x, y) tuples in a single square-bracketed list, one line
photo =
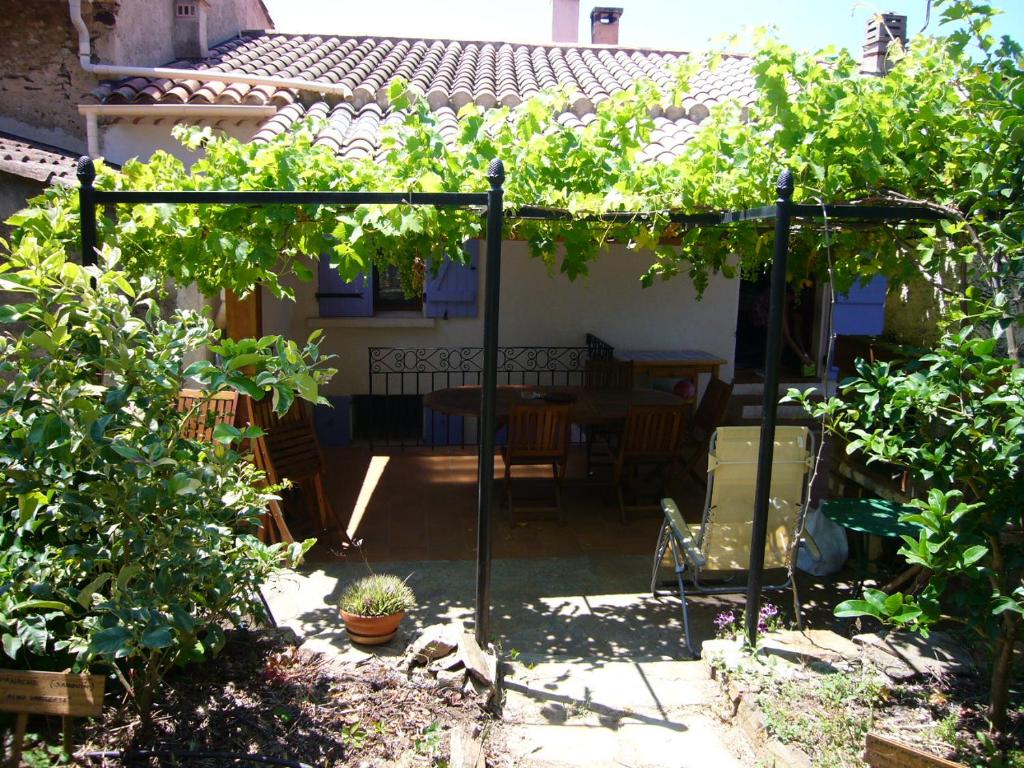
[(663, 24)]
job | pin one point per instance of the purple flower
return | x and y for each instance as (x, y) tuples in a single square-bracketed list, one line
[(724, 622), (766, 616)]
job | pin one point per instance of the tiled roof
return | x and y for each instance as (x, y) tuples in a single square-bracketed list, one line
[(450, 73), (32, 160)]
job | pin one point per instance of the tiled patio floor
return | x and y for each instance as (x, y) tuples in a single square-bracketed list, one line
[(418, 504)]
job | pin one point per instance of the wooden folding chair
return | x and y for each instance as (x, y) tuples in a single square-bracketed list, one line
[(705, 421), (203, 414), (537, 434), (650, 437), (289, 450)]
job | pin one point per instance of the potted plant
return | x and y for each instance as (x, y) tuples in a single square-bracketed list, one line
[(373, 606)]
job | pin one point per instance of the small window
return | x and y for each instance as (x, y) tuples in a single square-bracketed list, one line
[(388, 295), (185, 10)]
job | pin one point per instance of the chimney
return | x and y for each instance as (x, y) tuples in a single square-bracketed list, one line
[(604, 26), (883, 30), (189, 34), (565, 21)]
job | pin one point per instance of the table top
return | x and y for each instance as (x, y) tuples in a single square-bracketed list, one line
[(877, 517), (591, 406), (679, 356)]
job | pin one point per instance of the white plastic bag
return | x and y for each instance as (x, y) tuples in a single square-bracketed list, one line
[(831, 541)]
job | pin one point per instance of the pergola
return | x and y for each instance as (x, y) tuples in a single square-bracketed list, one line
[(783, 212)]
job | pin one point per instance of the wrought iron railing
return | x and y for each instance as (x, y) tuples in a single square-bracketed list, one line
[(598, 348), (393, 412)]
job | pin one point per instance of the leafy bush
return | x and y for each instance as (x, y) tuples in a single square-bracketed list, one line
[(379, 594), (955, 418), (122, 543)]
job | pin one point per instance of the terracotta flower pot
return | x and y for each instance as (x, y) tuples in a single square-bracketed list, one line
[(371, 630)]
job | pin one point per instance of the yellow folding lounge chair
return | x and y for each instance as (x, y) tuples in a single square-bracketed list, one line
[(716, 559)]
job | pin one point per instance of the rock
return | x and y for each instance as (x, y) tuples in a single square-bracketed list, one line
[(434, 642), (447, 663), (446, 679), (938, 655), (881, 659), (482, 692), (467, 748), (721, 651), (481, 665), (809, 646)]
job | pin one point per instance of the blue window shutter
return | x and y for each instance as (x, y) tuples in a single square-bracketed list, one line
[(357, 296), (452, 291), (861, 311)]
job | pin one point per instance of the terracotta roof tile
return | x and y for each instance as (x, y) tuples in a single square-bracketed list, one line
[(450, 74), (33, 160)]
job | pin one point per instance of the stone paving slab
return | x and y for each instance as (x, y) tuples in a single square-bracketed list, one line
[(555, 691), (695, 743)]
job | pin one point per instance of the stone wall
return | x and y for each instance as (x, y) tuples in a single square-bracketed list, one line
[(41, 82)]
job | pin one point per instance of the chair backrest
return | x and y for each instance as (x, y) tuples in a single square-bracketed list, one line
[(724, 538), (537, 432), (713, 406), (289, 446), (653, 432), (608, 374), (204, 413)]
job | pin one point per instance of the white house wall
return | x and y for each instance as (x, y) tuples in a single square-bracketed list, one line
[(122, 140), (540, 310)]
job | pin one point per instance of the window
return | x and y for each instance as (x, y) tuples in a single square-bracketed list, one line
[(185, 10), (450, 293), (388, 294)]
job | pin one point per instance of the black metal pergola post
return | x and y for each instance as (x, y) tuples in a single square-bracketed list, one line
[(488, 396), (766, 449), (86, 173)]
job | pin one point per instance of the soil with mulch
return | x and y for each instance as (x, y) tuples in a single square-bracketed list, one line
[(828, 720), (825, 710), (262, 695)]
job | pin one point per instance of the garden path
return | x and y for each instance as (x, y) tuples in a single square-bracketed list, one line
[(598, 676)]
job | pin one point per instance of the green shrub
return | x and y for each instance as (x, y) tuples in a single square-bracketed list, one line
[(379, 594), (953, 417), (123, 544)]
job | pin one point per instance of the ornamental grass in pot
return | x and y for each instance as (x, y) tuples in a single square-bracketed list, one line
[(373, 606)]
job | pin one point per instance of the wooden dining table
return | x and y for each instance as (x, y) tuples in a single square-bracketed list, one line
[(588, 406)]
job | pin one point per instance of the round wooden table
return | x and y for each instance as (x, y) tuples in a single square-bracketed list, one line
[(590, 406)]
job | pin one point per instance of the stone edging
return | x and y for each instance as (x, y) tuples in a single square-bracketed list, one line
[(744, 713)]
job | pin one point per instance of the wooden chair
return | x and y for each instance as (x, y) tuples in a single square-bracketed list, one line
[(203, 414), (705, 421), (614, 375), (289, 450), (651, 436), (608, 374), (537, 434)]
